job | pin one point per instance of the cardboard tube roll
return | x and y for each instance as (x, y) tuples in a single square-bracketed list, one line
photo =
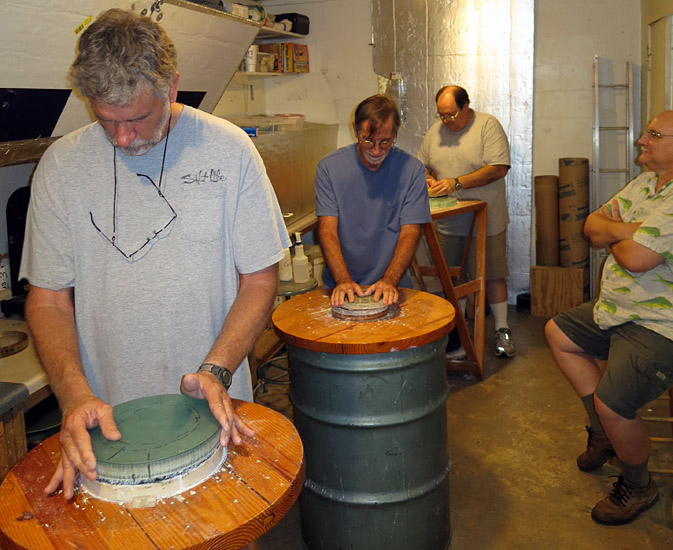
[(573, 209), (573, 212), (546, 220)]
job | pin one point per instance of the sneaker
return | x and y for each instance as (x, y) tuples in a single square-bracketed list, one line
[(454, 341), (625, 502), (504, 345), (599, 449), (456, 354)]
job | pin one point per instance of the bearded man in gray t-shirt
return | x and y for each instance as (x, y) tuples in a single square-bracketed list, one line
[(152, 243)]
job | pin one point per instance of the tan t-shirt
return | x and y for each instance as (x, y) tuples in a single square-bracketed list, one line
[(449, 154)]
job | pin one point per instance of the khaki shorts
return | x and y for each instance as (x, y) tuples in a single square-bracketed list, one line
[(496, 254), (638, 360)]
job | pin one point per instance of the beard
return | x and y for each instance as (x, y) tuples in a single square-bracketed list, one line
[(373, 159), (140, 146)]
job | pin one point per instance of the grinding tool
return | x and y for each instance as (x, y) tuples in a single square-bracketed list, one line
[(169, 443), (362, 308)]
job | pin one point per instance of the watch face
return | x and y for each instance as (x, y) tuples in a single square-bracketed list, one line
[(223, 375), (226, 378)]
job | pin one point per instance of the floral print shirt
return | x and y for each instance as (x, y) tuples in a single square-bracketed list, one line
[(643, 298)]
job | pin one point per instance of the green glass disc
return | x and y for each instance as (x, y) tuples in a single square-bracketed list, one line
[(162, 436)]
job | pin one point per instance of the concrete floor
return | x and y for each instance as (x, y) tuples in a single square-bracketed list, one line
[(513, 440)]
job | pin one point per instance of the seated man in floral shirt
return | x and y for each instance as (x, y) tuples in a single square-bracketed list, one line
[(630, 325)]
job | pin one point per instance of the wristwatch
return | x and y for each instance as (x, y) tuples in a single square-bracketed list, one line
[(458, 185), (223, 375)]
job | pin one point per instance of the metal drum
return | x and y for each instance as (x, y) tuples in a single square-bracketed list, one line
[(370, 406)]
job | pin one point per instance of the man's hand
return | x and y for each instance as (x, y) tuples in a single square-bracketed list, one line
[(204, 385), (611, 211), (383, 289), (441, 187), (605, 226), (346, 289), (76, 452)]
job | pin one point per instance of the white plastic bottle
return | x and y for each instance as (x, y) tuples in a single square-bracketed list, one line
[(397, 90), (300, 262), (285, 267), (317, 270)]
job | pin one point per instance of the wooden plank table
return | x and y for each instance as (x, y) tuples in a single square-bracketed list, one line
[(257, 485), (473, 348), (307, 322)]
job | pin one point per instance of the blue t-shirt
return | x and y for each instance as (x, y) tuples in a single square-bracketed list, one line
[(371, 208)]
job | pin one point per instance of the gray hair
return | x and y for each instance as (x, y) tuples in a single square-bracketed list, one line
[(118, 53)]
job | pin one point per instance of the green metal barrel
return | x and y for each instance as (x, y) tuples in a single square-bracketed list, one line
[(375, 438)]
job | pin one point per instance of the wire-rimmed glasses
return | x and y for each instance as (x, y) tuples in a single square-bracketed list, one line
[(113, 240)]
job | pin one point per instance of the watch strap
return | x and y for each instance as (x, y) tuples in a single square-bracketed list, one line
[(222, 374), (458, 186)]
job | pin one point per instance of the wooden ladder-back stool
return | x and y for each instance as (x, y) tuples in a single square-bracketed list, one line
[(667, 397)]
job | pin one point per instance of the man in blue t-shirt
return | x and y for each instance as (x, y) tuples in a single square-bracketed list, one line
[(371, 199)]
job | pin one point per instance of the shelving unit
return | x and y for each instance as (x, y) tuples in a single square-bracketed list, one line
[(243, 77), (267, 34)]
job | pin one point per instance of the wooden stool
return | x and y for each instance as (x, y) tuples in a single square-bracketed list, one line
[(474, 348), (666, 419), (258, 484)]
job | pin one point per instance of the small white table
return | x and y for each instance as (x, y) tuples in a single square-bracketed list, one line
[(20, 375)]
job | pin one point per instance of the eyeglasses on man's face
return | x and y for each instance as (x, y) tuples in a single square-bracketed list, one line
[(383, 144), (653, 134), (446, 117)]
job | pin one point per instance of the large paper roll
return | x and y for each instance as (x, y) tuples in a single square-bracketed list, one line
[(546, 221), (573, 212)]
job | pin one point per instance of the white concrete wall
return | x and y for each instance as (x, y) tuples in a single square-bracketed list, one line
[(567, 35), (341, 67)]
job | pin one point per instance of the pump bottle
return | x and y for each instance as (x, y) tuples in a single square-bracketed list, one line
[(300, 262)]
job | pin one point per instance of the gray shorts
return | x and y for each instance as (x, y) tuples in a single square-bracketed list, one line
[(453, 247), (639, 361)]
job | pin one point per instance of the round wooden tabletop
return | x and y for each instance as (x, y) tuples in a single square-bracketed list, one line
[(306, 322), (257, 485)]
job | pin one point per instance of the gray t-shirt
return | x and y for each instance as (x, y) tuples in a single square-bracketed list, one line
[(450, 154), (146, 320)]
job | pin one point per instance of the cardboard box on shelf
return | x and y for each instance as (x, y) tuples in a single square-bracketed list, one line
[(290, 57), (233, 8), (276, 49), (300, 58)]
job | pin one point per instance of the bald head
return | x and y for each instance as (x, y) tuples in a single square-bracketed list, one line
[(458, 94)]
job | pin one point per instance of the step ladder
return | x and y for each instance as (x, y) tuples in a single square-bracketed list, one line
[(613, 145)]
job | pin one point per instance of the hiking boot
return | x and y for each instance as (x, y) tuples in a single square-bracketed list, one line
[(625, 502), (599, 449), (504, 345)]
